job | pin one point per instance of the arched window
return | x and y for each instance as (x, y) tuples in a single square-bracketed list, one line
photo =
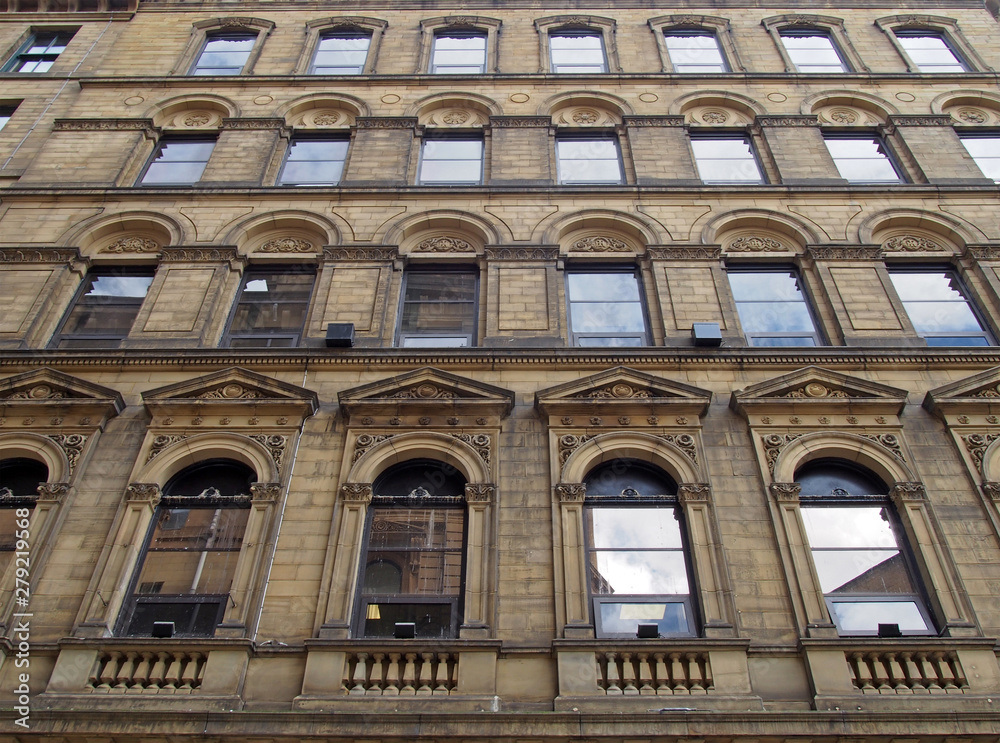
[(19, 480), (413, 564), (859, 551), (189, 558), (637, 564)]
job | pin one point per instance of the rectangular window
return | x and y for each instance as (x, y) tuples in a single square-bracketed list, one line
[(341, 53), (813, 51), (105, 308), (695, 52), (637, 570), (439, 309), (314, 161), (178, 162), (224, 54), (453, 160), (577, 52), (588, 159), (985, 150), (862, 158), (937, 305), (5, 113), (726, 159), (929, 51), (606, 308), (772, 309), (272, 307), (459, 53), (39, 52)]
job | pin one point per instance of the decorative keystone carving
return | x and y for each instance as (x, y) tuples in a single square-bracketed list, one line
[(265, 492), (72, 445), (132, 245), (444, 245), (480, 492), (366, 441), (600, 244), (481, 442), (143, 491), (910, 244), (908, 492), (568, 492), (694, 492), (274, 444), (755, 244), (889, 441), (785, 492), (356, 492), (287, 245), (774, 443)]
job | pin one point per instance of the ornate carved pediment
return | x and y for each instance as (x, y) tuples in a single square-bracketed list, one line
[(427, 397), (233, 398), (630, 397), (974, 400), (49, 397), (814, 390)]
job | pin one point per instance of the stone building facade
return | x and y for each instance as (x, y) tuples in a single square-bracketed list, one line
[(508, 371)]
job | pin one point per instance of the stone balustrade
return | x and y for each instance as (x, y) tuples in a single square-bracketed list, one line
[(394, 673), (654, 673), (907, 672), (148, 672)]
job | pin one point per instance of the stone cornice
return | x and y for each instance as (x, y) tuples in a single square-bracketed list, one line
[(386, 122), (199, 255), (898, 120), (521, 253), (360, 253), (252, 124), (657, 121), (684, 253), (519, 122), (845, 252), (789, 120), (98, 125), (39, 255)]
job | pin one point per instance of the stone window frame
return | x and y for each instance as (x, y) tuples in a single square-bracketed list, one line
[(886, 136), (260, 269), (303, 134), (202, 30), (606, 27), (466, 268), (747, 134), (735, 265), (22, 42), (108, 593), (947, 28), (832, 26), (720, 28), (315, 29), (606, 267), (431, 27), (143, 268), (176, 136), (937, 573), (442, 134)]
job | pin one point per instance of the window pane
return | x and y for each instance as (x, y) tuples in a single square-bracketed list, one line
[(314, 162), (936, 305), (225, 55), (274, 302), (813, 52), (440, 307), (598, 287), (451, 160), (862, 159), (865, 616), (770, 302), (725, 160), (577, 52), (694, 52), (929, 52), (634, 572), (341, 54), (40, 51), (581, 160), (624, 618), (605, 303), (179, 162), (986, 152), (459, 53), (108, 306), (618, 528)]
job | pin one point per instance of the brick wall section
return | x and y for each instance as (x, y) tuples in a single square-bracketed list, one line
[(179, 301), (240, 157), (788, 144), (524, 299), (82, 158), (520, 156), (379, 156), (661, 155)]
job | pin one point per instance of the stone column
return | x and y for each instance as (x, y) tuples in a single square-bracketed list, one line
[(574, 550), (355, 498)]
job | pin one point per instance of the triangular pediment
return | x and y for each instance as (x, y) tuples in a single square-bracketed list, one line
[(815, 387), (622, 389), (427, 389), (233, 389), (978, 394), (47, 391)]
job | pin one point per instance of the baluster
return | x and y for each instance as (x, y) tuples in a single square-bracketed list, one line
[(171, 679), (159, 671), (628, 675), (677, 675), (706, 665), (124, 673), (360, 674), (880, 674), (946, 671), (862, 674), (928, 672), (109, 673), (697, 685), (896, 676), (409, 676), (392, 676), (645, 675), (200, 674), (189, 676), (914, 679), (613, 677), (376, 686), (426, 674), (441, 677), (662, 677)]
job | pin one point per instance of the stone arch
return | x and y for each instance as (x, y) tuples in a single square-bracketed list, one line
[(969, 107), (323, 111), (126, 232), (643, 447), (990, 469), (848, 107), (420, 445), (454, 109), (200, 447), (634, 230), (39, 448), (205, 110), (284, 232), (791, 233), (943, 231), (717, 107), (612, 105), (839, 445), (409, 232)]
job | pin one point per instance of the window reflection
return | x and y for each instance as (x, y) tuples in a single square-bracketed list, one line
[(937, 306), (605, 308)]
